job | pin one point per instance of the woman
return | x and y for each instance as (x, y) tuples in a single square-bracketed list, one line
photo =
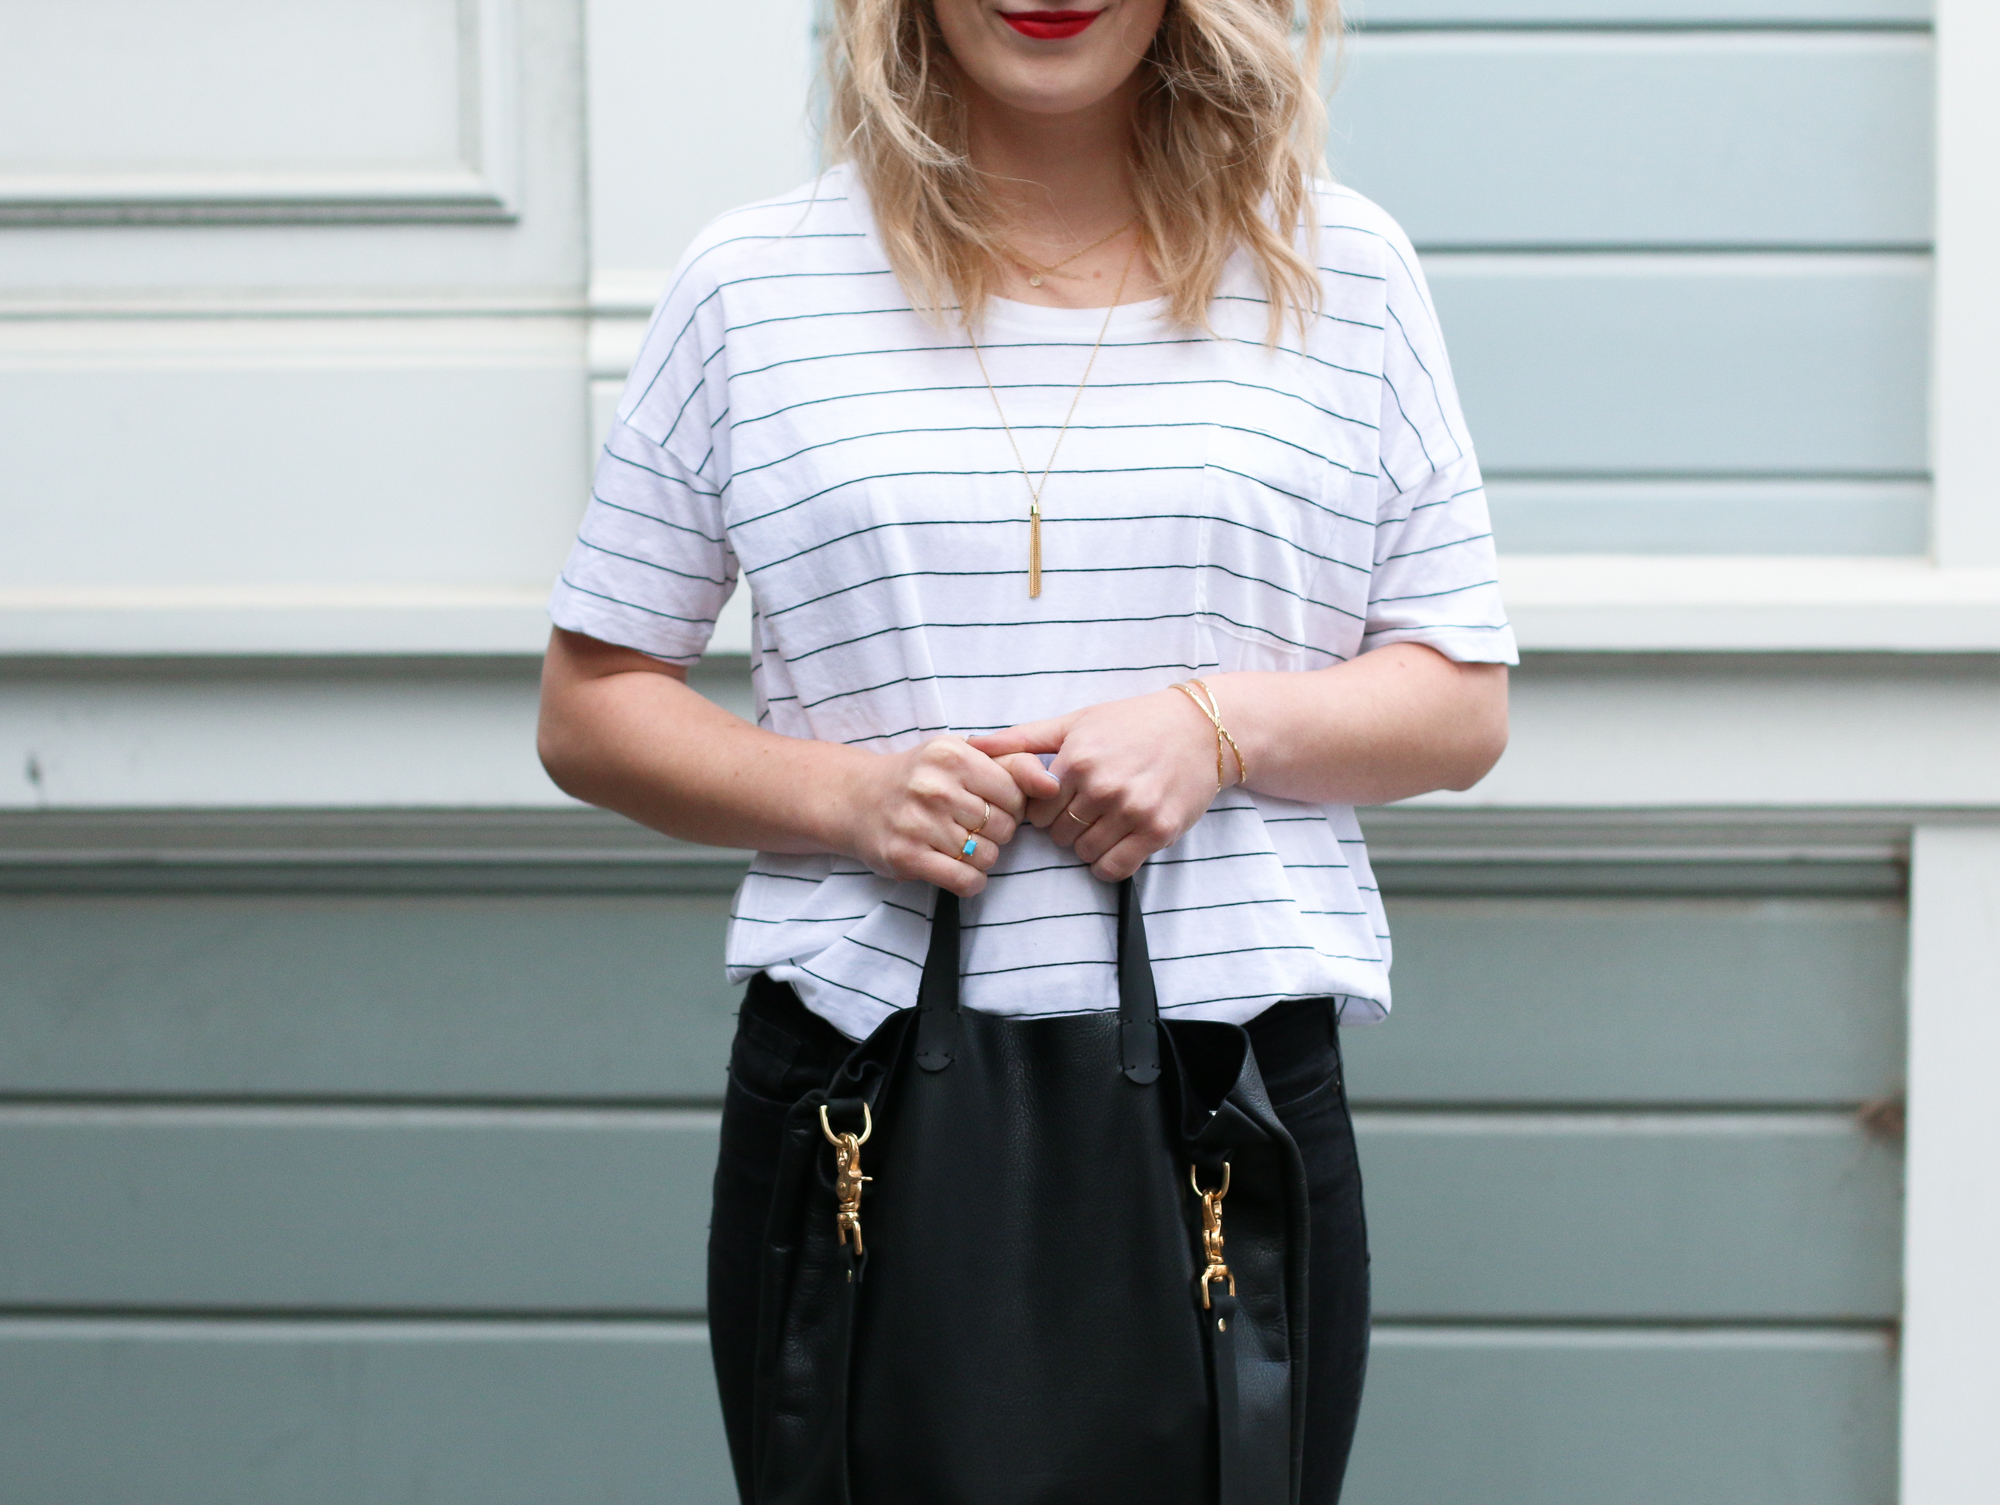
[(1068, 386)]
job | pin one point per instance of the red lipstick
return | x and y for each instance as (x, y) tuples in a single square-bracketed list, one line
[(1049, 25)]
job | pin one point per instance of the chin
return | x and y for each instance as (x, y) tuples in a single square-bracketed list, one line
[(1047, 90)]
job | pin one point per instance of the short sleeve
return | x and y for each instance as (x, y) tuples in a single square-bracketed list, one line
[(652, 566), (1436, 577)]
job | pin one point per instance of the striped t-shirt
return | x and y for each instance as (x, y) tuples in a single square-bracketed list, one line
[(1215, 506)]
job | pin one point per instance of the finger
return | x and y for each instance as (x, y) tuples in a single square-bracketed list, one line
[(1035, 781), (1123, 859), (1042, 812), (952, 834), (1000, 828), (953, 873), (981, 818), (1029, 737), (997, 826), (951, 766), (1069, 823), (983, 853), (984, 779), (1104, 835), (966, 809)]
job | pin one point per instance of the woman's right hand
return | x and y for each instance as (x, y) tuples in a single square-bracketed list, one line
[(910, 812)]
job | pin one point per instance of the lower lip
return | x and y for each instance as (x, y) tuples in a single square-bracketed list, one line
[(1050, 25)]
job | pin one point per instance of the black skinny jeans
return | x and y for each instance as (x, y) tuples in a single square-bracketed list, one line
[(783, 1050)]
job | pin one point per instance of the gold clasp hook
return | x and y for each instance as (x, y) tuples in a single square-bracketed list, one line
[(847, 1177), (1211, 1231)]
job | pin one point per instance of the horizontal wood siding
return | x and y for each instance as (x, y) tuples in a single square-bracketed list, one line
[(394, 1186)]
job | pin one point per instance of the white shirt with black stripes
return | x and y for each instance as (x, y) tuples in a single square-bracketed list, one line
[(1216, 506)]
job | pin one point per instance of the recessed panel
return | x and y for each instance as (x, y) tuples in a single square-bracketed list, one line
[(1836, 517), (211, 83), (1632, 1216), (1539, 138), (206, 1413), (1711, 366), (290, 452), (1607, 1216), (1660, 13), (357, 1209), (621, 996), (111, 107), (1626, 1417), (539, 996), (338, 1413), (1639, 1000)]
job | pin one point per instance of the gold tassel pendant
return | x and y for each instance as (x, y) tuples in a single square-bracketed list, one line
[(1035, 487), (1034, 549)]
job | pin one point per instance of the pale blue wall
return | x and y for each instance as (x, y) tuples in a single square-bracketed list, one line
[(344, 1183), (1681, 252)]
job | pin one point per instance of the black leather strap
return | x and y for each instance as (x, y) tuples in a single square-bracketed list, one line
[(1138, 1003), (937, 993), (1234, 1486)]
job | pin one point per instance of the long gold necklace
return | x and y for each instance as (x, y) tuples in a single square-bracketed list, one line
[(1035, 488), (1038, 270)]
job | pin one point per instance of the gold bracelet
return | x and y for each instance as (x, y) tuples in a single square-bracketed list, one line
[(1215, 712), (1217, 725), (1205, 702)]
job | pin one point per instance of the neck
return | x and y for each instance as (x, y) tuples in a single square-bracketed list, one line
[(1055, 178)]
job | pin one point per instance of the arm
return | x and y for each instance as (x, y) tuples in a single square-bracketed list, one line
[(623, 730), (1400, 721), (1396, 722)]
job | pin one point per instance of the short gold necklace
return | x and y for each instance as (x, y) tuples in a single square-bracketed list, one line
[(1037, 270), (1035, 488)]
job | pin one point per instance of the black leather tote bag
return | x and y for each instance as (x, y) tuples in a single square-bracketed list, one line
[(990, 1277)]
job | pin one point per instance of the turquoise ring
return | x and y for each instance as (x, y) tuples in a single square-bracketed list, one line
[(972, 832)]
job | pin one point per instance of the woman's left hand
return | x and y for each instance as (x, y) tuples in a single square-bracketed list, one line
[(1135, 775)]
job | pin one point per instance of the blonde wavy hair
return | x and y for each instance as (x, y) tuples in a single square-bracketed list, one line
[(1227, 136)]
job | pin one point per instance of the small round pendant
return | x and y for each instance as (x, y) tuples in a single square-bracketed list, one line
[(1034, 282)]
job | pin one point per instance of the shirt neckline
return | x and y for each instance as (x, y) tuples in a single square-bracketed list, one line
[(1008, 312)]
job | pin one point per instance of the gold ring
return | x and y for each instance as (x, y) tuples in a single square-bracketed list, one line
[(1074, 816), (971, 847)]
